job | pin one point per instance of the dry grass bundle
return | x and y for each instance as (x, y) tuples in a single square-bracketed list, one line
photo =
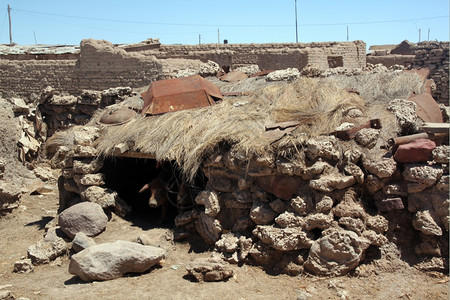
[(318, 103), (381, 87), (188, 136)]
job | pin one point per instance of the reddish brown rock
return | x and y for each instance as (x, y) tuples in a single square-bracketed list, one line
[(417, 151), (283, 187), (388, 204)]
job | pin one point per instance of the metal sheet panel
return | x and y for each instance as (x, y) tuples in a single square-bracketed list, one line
[(179, 94)]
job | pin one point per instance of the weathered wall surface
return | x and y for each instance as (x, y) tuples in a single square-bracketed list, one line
[(101, 65), (434, 56), (390, 60), (270, 56)]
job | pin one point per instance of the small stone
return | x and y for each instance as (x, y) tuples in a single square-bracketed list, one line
[(209, 269), (211, 202), (422, 173), (87, 165), (23, 266), (97, 179), (105, 197), (43, 252), (441, 154), (81, 241), (261, 213), (388, 204), (283, 239), (424, 222), (278, 206), (367, 137), (383, 167)]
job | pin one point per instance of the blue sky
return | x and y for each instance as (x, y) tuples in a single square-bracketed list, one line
[(238, 21)]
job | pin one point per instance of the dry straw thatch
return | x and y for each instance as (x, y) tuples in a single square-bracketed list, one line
[(187, 137)]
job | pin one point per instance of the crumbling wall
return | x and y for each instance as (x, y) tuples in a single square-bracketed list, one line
[(102, 65), (435, 56)]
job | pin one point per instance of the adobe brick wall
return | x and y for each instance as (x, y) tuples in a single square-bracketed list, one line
[(390, 60), (99, 66), (269, 56)]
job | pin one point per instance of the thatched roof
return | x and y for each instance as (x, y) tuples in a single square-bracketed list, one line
[(188, 136)]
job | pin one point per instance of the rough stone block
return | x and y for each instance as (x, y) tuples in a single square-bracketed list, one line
[(417, 151)]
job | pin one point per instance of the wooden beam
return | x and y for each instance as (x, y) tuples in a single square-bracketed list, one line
[(120, 148), (436, 127), (136, 155)]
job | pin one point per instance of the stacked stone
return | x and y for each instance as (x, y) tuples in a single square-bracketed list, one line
[(81, 180), (62, 111), (435, 56), (296, 213)]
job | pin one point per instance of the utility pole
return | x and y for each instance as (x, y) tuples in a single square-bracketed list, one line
[(10, 34), (347, 33), (34, 33), (199, 39), (428, 34), (419, 35), (218, 36), (296, 27)]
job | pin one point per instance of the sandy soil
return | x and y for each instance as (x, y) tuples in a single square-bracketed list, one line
[(25, 226)]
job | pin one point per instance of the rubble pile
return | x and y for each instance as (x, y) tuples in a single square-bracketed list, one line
[(62, 110)]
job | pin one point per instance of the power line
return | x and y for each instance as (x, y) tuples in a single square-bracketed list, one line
[(231, 25)]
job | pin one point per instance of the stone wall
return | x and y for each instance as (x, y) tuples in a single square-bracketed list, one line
[(435, 56)]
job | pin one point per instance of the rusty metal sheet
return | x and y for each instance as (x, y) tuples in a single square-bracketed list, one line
[(117, 117), (282, 125), (427, 108), (234, 76), (179, 94), (262, 73), (276, 131)]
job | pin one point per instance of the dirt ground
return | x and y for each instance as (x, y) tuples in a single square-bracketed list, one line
[(25, 226)]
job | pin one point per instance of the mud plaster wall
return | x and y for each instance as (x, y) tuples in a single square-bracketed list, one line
[(101, 65)]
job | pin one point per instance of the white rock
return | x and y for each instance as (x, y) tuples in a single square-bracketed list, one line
[(112, 260)]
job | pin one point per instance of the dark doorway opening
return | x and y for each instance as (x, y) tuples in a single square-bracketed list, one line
[(133, 179)]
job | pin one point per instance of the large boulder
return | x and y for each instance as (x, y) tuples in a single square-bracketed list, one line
[(336, 253), (87, 217), (112, 260)]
